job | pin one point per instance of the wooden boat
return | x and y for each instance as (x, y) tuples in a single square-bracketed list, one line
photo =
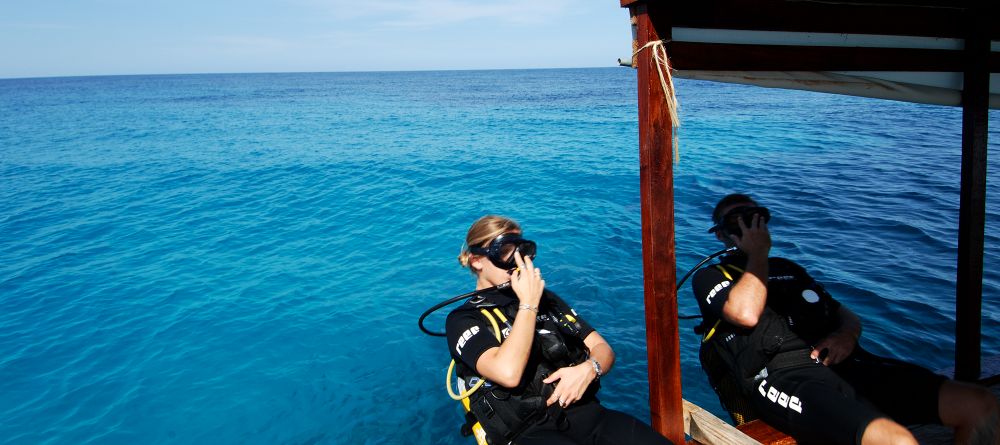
[(944, 52)]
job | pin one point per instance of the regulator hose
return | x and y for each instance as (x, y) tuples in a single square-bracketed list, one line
[(420, 321), (453, 300)]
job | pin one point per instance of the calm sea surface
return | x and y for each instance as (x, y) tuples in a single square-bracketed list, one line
[(241, 259)]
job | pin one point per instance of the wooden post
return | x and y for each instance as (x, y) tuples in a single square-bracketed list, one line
[(659, 263), (972, 213)]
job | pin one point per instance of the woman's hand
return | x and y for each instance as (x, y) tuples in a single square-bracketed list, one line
[(527, 281), (573, 383)]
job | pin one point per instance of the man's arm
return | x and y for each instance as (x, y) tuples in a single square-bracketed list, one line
[(842, 341), (749, 295)]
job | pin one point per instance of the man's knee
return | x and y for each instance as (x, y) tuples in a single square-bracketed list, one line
[(883, 431), (987, 421), (964, 404)]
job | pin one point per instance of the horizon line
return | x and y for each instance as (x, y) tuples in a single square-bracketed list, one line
[(211, 73)]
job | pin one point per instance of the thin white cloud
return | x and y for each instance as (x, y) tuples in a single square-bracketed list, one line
[(432, 13), (244, 43), (38, 26)]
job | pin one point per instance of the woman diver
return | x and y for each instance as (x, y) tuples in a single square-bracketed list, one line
[(540, 373)]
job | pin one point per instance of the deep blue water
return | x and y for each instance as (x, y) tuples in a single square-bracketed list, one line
[(241, 259)]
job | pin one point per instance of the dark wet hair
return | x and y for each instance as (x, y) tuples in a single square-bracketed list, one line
[(728, 200)]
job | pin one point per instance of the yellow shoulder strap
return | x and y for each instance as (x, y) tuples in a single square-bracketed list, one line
[(722, 268), (711, 332), (724, 271), (499, 314)]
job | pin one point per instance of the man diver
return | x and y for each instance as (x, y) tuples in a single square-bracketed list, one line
[(791, 351)]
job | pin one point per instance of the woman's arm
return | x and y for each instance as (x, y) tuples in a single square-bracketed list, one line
[(601, 351), (505, 364), (574, 380)]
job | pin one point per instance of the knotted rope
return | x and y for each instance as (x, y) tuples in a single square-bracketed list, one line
[(658, 47)]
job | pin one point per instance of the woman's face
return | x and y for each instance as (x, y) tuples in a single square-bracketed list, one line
[(488, 272)]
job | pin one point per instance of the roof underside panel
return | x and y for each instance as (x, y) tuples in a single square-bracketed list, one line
[(910, 18), (910, 50)]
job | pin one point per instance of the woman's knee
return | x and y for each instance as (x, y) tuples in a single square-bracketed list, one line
[(619, 427)]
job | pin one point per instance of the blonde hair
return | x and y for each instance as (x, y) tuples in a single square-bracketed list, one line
[(483, 231)]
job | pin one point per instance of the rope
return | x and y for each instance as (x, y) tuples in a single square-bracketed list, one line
[(667, 83)]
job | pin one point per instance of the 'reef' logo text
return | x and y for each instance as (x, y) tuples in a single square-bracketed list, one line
[(464, 338), (716, 289)]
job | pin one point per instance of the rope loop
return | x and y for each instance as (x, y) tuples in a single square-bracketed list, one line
[(658, 48)]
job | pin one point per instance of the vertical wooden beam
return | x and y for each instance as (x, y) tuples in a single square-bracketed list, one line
[(659, 269), (972, 214)]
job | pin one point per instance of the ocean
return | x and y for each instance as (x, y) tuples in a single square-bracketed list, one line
[(242, 258)]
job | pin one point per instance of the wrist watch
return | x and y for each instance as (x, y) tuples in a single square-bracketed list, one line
[(597, 367)]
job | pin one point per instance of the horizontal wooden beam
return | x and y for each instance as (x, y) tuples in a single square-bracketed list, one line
[(731, 57), (924, 18)]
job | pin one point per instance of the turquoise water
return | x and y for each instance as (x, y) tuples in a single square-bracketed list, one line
[(242, 258)]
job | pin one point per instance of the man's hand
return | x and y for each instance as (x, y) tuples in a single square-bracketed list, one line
[(839, 345), (756, 239), (573, 383)]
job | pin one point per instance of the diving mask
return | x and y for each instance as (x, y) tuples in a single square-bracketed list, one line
[(501, 250), (729, 223)]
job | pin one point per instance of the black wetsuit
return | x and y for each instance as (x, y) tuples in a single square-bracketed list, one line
[(805, 399), (470, 334)]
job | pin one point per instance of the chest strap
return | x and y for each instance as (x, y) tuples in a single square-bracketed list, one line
[(787, 359)]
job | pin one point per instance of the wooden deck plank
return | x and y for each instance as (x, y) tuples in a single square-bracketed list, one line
[(765, 434), (705, 428)]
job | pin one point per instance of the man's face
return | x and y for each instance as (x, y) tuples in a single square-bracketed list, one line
[(729, 222)]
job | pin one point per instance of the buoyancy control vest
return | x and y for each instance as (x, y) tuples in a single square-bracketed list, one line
[(735, 359), (497, 415)]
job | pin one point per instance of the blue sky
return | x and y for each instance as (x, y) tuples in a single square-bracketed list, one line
[(96, 37)]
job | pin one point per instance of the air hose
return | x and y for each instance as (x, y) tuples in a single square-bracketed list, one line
[(420, 322)]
